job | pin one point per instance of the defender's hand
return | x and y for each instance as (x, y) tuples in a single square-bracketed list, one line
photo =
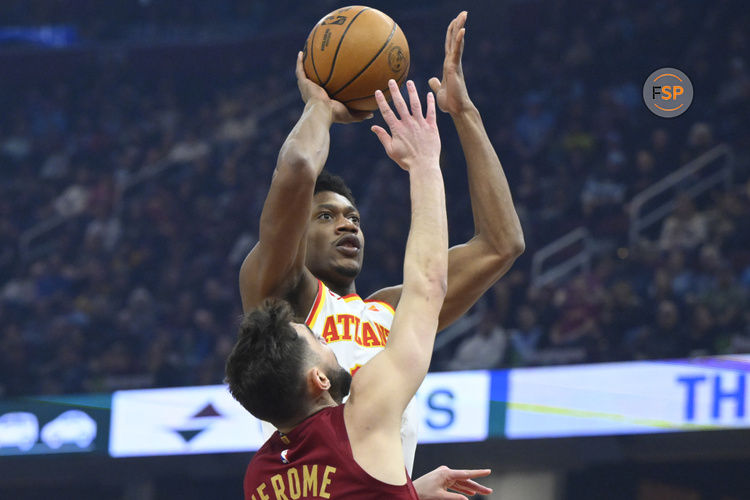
[(414, 139), (310, 90), (450, 93), (435, 485)]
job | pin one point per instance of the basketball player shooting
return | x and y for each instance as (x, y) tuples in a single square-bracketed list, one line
[(311, 245), (326, 449)]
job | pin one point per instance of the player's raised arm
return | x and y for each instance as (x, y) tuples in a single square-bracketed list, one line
[(498, 238), (276, 265), (383, 387)]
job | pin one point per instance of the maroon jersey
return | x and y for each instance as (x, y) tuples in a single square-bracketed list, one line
[(315, 461)]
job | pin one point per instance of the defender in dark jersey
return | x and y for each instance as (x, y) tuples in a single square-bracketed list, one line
[(280, 372)]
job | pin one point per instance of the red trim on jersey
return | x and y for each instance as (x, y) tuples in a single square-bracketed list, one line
[(316, 305), (386, 304)]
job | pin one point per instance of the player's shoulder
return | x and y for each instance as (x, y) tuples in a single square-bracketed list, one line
[(379, 306), (389, 295)]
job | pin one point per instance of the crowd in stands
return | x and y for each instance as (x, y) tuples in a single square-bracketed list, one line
[(148, 185), (684, 294)]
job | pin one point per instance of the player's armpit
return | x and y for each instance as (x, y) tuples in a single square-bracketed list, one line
[(390, 295)]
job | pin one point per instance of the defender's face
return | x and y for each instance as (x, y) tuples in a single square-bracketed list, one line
[(335, 242), (339, 377), (317, 345)]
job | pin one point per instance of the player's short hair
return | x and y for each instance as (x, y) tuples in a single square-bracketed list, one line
[(326, 181), (265, 370)]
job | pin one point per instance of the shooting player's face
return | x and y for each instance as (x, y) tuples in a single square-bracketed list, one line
[(335, 242)]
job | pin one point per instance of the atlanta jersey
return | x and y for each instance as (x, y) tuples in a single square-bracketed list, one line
[(355, 329), (315, 461)]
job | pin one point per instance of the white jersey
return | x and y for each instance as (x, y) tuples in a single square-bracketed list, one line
[(356, 330)]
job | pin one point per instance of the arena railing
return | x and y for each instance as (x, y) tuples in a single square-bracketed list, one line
[(647, 208), (656, 202), (579, 259)]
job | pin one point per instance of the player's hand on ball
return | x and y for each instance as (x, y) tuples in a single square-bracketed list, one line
[(310, 90), (450, 93), (414, 139)]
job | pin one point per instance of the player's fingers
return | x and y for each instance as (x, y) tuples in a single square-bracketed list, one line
[(385, 109), (452, 496), (458, 49), (455, 25), (361, 115), (431, 118), (414, 104), (449, 37), (460, 489), (461, 19), (434, 84), (470, 473), (398, 99), (299, 69), (383, 136), (472, 486)]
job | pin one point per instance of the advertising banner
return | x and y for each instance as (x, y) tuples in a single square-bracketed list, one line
[(627, 398), (47, 425)]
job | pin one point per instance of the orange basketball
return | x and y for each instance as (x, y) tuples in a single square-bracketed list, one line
[(354, 51)]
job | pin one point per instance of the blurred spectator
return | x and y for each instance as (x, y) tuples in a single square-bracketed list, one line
[(603, 195), (702, 332), (700, 140), (664, 338), (483, 349), (533, 126), (622, 313), (664, 152), (574, 333), (739, 341), (646, 174), (725, 299), (685, 229), (525, 339)]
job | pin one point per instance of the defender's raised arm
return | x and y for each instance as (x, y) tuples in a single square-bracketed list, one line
[(383, 387)]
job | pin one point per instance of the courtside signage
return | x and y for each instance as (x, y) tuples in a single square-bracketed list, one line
[(54, 424), (581, 400), (180, 421), (628, 398), (454, 406), (192, 420)]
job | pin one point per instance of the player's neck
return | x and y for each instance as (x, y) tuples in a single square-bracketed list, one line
[(342, 289), (315, 407)]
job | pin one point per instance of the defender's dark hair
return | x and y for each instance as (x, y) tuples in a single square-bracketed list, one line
[(326, 181), (265, 368)]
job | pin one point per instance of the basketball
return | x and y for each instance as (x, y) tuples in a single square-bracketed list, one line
[(354, 51)]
